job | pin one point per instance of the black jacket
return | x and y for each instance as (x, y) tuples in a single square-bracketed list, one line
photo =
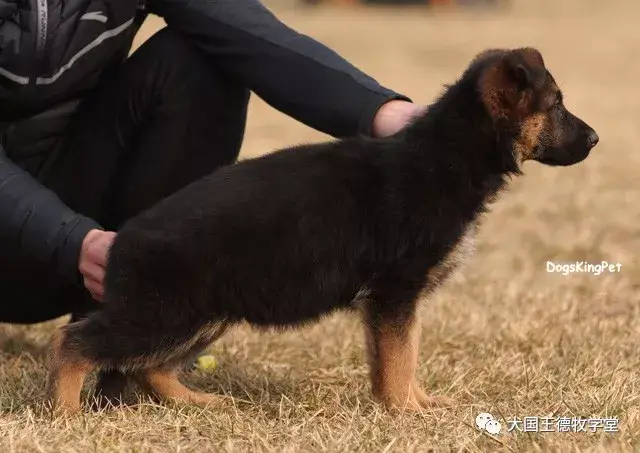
[(53, 51)]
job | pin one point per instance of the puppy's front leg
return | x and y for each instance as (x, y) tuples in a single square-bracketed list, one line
[(392, 343)]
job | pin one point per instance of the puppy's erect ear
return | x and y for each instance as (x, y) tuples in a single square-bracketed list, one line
[(525, 68), (508, 83)]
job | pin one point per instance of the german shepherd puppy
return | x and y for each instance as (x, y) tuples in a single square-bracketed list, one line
[(372, 225)]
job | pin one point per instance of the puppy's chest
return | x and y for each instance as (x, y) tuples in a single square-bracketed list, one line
[(462, 249)]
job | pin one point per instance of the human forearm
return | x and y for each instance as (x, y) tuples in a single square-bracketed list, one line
[(292, 72), (35, 219)]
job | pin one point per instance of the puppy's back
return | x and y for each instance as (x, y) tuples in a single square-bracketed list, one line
[(274, 240)]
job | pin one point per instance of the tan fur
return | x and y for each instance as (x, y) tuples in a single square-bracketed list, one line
[(530, 134), (393, 358), (393, 349), (67, 375), (165, 383), (393, 353), (69, 370)]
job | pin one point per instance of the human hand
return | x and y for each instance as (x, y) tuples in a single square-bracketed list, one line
[(93, 260), (393, 116)]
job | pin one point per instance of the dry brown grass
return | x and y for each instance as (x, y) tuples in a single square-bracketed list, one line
[(503, 336)]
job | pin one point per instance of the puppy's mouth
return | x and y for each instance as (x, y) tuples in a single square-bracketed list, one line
[(562, 157)]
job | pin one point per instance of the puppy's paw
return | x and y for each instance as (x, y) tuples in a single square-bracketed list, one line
[(431, 401), (436, 401), (415, 400), (60, 408)]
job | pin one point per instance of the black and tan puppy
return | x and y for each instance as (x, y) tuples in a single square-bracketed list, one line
[(281, 240)]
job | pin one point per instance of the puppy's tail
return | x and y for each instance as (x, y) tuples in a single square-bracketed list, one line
[(116, 344)]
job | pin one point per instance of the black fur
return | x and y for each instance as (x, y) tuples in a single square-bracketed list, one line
[(286, 238)]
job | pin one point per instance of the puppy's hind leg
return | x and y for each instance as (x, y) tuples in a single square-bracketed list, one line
[(68, 370), (111, 384), (165, 384), (163, 381)]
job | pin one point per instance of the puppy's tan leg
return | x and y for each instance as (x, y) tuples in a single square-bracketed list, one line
[(393, 357), (67, 372), (165, 383)]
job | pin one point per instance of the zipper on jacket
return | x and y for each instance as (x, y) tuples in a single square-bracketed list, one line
[(43, 23), (42, 16)]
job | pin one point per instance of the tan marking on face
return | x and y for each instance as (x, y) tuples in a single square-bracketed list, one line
[(530, 134)]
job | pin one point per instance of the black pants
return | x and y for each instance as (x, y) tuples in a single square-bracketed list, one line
[(167, 118)]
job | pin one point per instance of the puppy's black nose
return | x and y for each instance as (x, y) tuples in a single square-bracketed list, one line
[(592, 139)]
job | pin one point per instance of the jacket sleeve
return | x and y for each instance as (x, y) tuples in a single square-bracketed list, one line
[(290, 71), (35, 220)]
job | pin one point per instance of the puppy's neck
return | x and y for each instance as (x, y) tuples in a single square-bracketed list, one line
[(456, 137)]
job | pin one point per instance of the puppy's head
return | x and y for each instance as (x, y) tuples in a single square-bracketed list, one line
[(526, 106)]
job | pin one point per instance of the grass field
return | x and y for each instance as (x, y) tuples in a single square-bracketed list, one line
[(504, 336)]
